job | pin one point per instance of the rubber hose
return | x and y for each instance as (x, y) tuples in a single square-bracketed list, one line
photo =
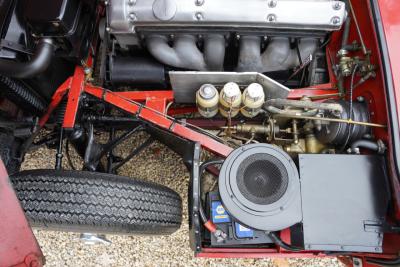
[(279, 242), (346, 32), (288, 112), (303, 104), (21, 95), (368, 144), (38, 64), (202, 168)]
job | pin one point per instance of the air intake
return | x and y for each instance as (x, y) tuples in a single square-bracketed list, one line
[(259, 186)]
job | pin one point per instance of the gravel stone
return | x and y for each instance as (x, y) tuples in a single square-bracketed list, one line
[(158, 164)]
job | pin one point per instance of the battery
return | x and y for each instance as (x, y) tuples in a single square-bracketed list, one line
[(237, 233)]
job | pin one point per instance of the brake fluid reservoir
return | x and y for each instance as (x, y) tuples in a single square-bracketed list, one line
[(230, 99), (207, 100), (252, 99)]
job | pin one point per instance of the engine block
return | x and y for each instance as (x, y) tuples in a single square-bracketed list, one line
[(318, 15)]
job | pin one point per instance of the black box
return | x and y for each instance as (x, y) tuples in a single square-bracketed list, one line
[(344, 201), (52, 17)]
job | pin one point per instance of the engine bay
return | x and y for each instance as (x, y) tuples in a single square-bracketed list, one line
[(279, 103)]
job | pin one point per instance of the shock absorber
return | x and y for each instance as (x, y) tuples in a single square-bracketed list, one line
[(59, 119)]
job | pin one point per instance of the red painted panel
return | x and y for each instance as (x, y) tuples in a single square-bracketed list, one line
[(18, 246)]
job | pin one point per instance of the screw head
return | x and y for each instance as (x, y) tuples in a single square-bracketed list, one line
[(199, 16), (271, 18), (272, 3), (337, 5), (360, 99), (199, 2), (132, 17), (335, 20), (131, 2)]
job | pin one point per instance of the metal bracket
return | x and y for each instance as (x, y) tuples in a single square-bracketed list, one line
[(195, 226), (14, 47), (92, 239)]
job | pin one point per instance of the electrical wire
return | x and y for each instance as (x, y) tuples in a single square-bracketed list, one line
[(383, 262), (202, 168), (279, 242), (351, 127)]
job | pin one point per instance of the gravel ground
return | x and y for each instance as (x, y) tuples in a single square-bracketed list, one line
[(157, 163)]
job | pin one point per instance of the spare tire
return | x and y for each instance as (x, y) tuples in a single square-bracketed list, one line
[(93, 202)]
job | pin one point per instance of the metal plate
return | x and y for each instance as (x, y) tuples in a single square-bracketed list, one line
[(342, 196), (186, 83), (325, 15)]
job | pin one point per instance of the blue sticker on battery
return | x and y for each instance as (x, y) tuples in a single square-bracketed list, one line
[(218, 212), (243, 232)]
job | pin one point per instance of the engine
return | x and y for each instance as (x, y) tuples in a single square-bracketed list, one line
[(241, 36), (247, 71)]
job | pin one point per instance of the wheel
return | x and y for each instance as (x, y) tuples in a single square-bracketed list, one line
[(96, 202), (8, 152)]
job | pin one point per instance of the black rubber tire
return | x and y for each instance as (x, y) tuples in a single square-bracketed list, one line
[(93, 202), (9, 147)]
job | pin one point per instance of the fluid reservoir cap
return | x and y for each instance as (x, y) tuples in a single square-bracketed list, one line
[(164, 9), (231, 90), (207, 91), (255, 91)]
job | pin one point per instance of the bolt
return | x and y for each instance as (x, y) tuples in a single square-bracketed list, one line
[(87, 70), (199, 2), (271, 18), (237, 37), (199, 16), (34, 263), (132, 2), (336, 5), (108, 29), (106, 3), (132, 17), (335, 20), (360, 99), (272, 3)]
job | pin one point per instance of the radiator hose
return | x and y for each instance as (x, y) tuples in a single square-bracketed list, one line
[(21, 95), (39, 62)]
